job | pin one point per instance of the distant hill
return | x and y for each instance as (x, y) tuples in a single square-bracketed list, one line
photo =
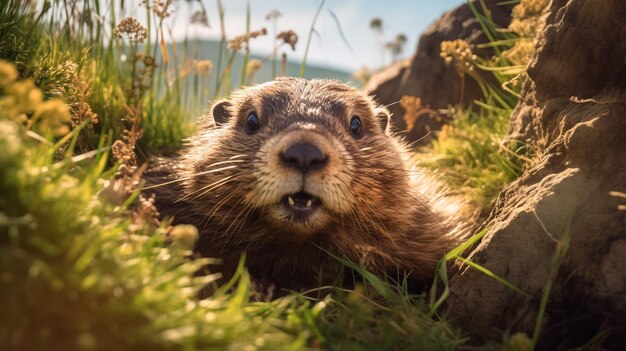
[(183, 53), (208, 49)]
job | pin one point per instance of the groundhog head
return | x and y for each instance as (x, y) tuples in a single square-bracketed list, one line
[(304, 156)]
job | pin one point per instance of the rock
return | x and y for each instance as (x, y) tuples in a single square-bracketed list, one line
[(573, 111), (427, 76)]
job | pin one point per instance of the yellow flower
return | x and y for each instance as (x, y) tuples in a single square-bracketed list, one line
[(53, 111), (8, 73), (184, 236), (459, 51), (10, 141), (203, 67), (52, 114), (519, 342)]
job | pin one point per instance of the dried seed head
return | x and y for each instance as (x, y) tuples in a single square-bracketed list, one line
[(272, 15), (132, 30), (460, 51), (146, 213), (401, 39), (161, 8), (122, 152), (363, 74), (238, 42), (53, 114), (200, 17), (376, 23), (22, 97), (288, 37), (184, 236), (10, 141), (394, 47), (526, 17), (412, 106), (253, 66), (203, 67), (8, 73)]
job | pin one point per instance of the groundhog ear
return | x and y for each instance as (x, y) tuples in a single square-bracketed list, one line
[(383, 116), (221, 112)]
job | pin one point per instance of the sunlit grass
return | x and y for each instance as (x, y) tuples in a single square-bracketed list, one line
[(471, 153), (472, 157), (84, 264)]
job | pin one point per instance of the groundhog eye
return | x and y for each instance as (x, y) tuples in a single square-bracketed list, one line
[(252, 123), (355, 126)]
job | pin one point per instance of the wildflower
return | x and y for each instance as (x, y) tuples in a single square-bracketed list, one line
[(161, 8), (519, 342), (203, 67), (200, 17), (238, 42), (273, 15), (460, 51), (146, 212), (376, 24), (397, 46), (52, 114), (413, 109), (525, 17), (252, 67), (53, 110), (10, 141), (288, 37), (22, 97), (147, 60), (184, 236), (411, 105), (526, 23), (8, 73), (132, 30), (85, 17), (401, 39), (82, 112), (117, 190), (121, 151), (520, 53), (363, 74), (394, 47)]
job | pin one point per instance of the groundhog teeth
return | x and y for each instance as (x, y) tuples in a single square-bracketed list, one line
[(291, 202)]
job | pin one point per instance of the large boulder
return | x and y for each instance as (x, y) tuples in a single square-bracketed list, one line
[(573, 111), (427, 76)]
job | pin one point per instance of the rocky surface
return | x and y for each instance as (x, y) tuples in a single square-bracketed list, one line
[(427, 76), (573, 111)]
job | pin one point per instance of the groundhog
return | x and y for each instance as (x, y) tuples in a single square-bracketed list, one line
[(298, 173)]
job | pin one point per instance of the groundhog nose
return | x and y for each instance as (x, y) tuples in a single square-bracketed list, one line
[(304, 156)]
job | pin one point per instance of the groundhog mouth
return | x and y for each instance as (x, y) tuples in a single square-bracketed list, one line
[(301, 205)]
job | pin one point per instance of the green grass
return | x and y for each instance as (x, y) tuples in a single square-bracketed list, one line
[(471, 154), (109, 281), (83, 265), (472, 157)]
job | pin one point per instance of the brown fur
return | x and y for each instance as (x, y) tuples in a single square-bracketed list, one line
[(229, 184)]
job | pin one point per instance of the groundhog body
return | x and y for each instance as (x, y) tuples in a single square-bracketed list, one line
[(294, 172)]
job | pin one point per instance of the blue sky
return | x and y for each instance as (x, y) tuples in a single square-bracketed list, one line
[(410, 17)]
